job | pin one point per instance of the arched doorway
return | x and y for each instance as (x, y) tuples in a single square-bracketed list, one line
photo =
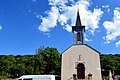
[(81, 71)]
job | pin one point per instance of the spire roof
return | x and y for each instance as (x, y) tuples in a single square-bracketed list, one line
[(78, 21), (78, 26)]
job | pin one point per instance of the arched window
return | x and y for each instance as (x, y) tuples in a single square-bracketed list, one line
[(80, 71)]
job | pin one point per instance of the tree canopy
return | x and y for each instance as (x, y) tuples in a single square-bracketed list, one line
[(46, 61), (110, 62)]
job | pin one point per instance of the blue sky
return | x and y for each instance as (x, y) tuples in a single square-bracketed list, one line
[(26, 25)]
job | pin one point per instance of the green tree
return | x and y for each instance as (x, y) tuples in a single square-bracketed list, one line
[(46, 61), (50, 59)]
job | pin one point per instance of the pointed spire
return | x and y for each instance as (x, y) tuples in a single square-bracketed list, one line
[(78, 30), (78, 21)]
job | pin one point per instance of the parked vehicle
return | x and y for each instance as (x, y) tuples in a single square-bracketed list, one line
[(37, 77)]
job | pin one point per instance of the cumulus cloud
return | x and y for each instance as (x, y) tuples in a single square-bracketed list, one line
[(112, 27), (65, 14), (50, 21), (0, 27), (117, 43)]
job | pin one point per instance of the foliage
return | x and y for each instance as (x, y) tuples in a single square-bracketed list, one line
[(46, 61), (110, 62)]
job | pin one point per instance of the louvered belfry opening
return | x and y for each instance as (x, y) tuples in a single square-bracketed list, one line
[(78, 36)]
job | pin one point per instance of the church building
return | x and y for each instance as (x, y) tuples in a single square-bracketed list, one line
[(80, 61)]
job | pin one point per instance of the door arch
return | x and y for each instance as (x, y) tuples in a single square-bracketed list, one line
[(81, 71)]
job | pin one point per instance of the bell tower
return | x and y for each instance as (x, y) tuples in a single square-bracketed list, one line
[(80, 61), (78, 31)]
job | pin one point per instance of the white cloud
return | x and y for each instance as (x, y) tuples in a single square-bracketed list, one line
[(105, 6), (117, 43), (92, 20), (108, 10), (66, 15), (68, 28), (0, 27), (112, 27), (86, 39), (50, 21)]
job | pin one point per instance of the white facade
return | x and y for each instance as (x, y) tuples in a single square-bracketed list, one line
[(80, 54)]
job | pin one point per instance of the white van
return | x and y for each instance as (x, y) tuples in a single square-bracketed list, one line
[(37, 77)]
